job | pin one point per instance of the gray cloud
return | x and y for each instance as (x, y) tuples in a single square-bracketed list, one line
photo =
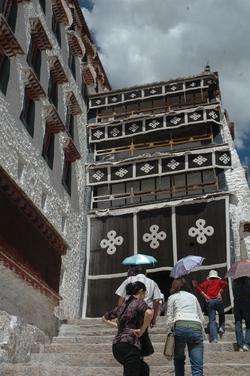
[(143, 41)]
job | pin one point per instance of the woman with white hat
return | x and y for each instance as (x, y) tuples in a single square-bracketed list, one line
[(212, 290)]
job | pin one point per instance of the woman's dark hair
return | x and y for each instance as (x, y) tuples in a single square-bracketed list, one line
[(134, 288), (180, 284)]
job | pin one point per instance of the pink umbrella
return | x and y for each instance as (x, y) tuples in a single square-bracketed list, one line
[(185, 265), (239, 269)]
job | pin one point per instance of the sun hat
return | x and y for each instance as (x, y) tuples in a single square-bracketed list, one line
[(213, 274)]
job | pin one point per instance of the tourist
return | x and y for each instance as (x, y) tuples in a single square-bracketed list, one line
[(241, 291), (212, 290), (184, 313), (153, 294), (132, 318)]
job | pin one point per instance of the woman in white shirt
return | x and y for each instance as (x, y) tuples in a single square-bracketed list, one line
[(184, 313)]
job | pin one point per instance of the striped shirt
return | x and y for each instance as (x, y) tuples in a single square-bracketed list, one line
[(153, 291)]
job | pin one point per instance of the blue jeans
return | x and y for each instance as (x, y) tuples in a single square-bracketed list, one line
[(214, 305), (242, 311), (194, 340)]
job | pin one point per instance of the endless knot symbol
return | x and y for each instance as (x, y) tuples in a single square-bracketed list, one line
[(193, 84), (224, 158), (98, 175), (146, 168), (132, 95), (111, 242), (98, 101), (115, 132), (201, 231), (153, 91), (195, 116), (98, 134), (153, 124), (121, 172), (133, 128), (175, 120), (173, 88), (200, 160), (213, 114), (173, 164), (154, 236), (114, 99)]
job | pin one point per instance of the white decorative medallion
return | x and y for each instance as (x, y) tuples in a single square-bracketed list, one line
[(175, 120), (146, 168), (195, 116), (111, 242), (115, 132), (200, 160), (98, 134), (173, 164), (154, 236), (224, 158), (153, 124), (121, 172), (98, 175), (133, 128), (201, 231)]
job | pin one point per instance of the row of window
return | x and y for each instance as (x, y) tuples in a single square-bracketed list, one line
[(158, 188)]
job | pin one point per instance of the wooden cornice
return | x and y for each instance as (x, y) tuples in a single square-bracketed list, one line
[(89, 47), (70, 150), (8, 41), (53, 119), (87, 74), (19, 198), (60, 12), (72, 104), (57, 70), (33, 85), (40, 35), (74, 44), (34, 281)]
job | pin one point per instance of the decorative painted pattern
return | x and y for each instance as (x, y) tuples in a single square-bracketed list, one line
[(154, 236), (201, 231), (111, 242)]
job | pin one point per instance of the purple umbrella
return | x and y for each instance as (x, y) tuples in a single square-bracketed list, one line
[(185, 265)]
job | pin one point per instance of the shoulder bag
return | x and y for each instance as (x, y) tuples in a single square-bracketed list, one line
[(169, 345)]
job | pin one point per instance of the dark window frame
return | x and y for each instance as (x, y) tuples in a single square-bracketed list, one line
[(48, 146), (28, 113), (8, 8), (34, 57), (67, 174), (72, 64), (56, 28), (4, 72), (70, 123), (53, 90)]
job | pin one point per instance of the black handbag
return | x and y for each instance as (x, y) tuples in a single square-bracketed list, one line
[(147, 347)]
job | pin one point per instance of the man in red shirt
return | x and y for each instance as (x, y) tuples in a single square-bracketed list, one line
[(212, 290)]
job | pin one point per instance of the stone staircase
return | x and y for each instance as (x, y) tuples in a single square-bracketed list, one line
[(83, 348)]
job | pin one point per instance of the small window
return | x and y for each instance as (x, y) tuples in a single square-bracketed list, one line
[(53, 90), (4, 72), (70, 124), (72, 64), (56, 28), (66, 179), (48, 146), (8, 8), (28, 113), (34, 57), (43, 5)]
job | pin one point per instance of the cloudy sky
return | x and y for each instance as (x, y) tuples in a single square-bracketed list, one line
[(143, 41)]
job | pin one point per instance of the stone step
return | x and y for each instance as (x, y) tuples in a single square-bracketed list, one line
[(97, 358), (228, 369), (108, 338), (106, 347)]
